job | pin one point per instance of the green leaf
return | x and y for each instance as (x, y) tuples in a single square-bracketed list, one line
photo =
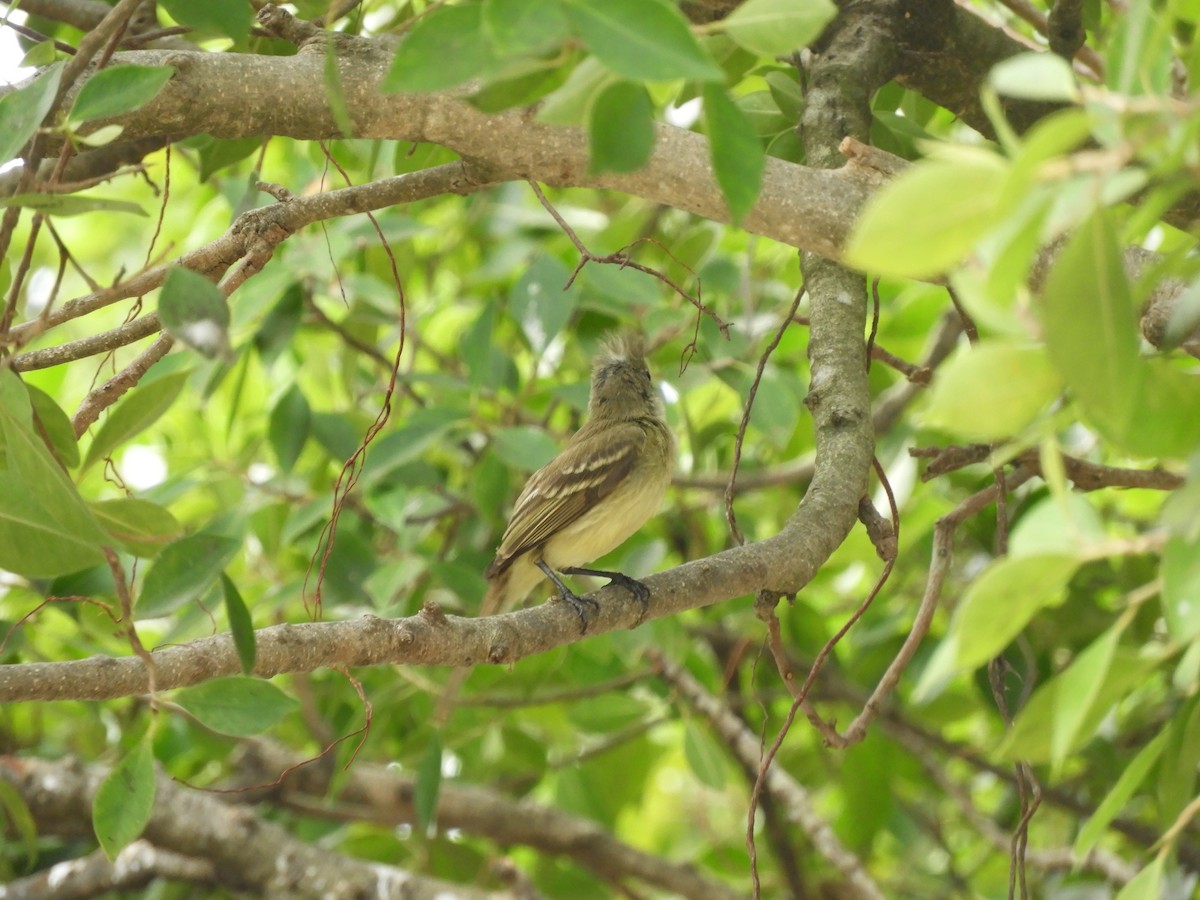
[(1035, 76), (1077, 689), (40, 54), (139, 526), (1133, 776), (71, 204), (137, 411), (539, 303), (1032, 735), (237, 705), (642, 40), (997, 606), (289, 426), (777, 27), (193, 310), (927, 220), (22, 111), (1177, 769), (54, 426), (18, 820), (34, 543), (621, 131), (409, 441), (125, 800), (1181, 588), (1146, 884), (444, 49), (1145, 407), (524, 447), (118, 90), (240, 625), (37, 494), (524, 27), (704, 757), (228, 17), (277, 329), (737, 154), (428, 785), (572, 103), (217, 154), (992, 390), (183, 571), (1002, 600)]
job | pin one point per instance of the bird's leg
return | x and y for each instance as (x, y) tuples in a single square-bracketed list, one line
[(635, 587), (581, 605)]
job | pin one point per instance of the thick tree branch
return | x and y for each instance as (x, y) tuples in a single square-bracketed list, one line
[(232, 95), (134, 868), (246, 848)]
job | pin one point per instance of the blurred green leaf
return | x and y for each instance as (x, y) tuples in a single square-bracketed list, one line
[(71, 204), (124, 801), (642, 40), (928, 219), (1116, 799), (524, 27), (446, 47), (992, 390), (428, 784), (117, 90), (228, 17), (778, 27), (737, 155), (22, 111), (289, 426), (237, 705), (704, 756), (622, 129), (1144, 406)]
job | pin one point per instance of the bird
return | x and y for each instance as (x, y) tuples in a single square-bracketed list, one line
[(607, 481)]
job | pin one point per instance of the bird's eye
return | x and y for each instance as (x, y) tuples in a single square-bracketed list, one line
[(646, 372)]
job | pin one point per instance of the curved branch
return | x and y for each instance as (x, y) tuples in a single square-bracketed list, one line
[(378, 793), (238, 843), (793, 797)]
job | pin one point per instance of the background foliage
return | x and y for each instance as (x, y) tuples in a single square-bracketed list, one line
[(1043, 740)]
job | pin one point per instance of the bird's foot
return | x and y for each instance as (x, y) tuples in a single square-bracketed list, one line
[(640, 592), (583, 606)]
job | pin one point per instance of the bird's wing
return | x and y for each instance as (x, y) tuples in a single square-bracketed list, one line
[(589, 468)]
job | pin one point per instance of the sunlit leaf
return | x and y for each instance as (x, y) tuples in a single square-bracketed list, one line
[(777, 27), (992, 390), (928, 219)]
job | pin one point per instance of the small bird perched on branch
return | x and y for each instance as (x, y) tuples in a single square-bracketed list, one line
[(608, 480)]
